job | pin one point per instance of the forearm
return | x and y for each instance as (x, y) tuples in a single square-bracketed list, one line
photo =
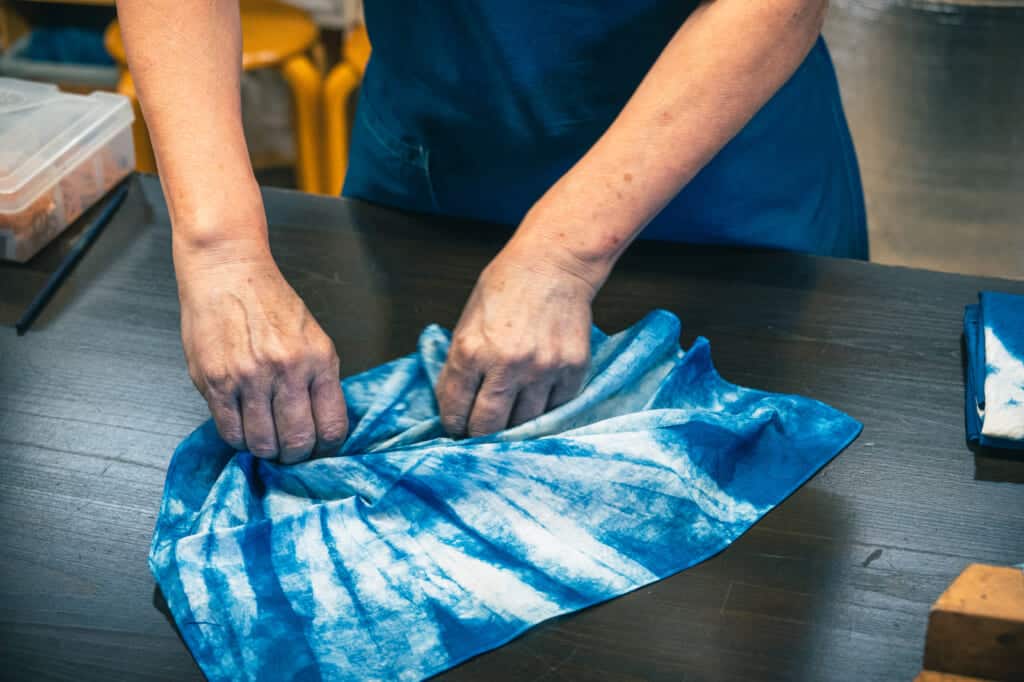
[(720, 68), (185, 59)]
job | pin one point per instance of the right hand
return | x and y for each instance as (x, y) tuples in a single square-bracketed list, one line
[(265, 367)]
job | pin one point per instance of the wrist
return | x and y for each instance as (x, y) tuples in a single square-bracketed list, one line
[(208, 248), (221, 231), (206, 210), (556, 235), (545, 252)]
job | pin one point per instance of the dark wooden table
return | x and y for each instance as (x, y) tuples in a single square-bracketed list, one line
[(834, 584)]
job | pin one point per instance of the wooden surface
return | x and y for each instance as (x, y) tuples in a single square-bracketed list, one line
[(932, 676), (834, 584)]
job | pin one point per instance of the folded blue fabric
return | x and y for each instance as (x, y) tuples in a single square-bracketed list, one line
[(994, 340), (410, 552)]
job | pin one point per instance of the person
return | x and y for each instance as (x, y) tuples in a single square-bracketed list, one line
[(584, 122)]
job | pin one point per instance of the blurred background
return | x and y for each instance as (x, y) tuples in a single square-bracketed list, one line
[(934, 91)]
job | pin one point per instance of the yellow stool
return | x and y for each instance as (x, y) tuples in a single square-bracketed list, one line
[(274, 35), (339, 107)]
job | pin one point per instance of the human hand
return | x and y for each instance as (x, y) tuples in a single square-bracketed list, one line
[(522, 344), (265, 367)]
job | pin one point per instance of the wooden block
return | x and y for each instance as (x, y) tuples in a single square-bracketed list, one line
[(930, 676), (976, 628)]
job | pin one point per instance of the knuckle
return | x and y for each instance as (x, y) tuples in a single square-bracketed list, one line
[(300, 440), (577, 360), (523, 415), (544, 364), (516, 357), (454, 423), (534, 393), (246, 371), (462, 350), (229, 429), (216, 377), (263, 449), (332, 361), (322, 349), (486, 419), (232, 436), (281, 361), (500, 386), (452, 391), (287, 394), (567, 390), (213, 385), (334, 431), (481, 428)]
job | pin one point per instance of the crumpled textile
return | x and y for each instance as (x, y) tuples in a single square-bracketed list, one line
[(410, 552), (994, 341)]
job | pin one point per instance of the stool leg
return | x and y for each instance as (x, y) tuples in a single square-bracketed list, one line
[(306, 84), (145, 161), (339, 91)]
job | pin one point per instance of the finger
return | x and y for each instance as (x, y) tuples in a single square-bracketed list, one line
[(293, 420), (330, 416), (258, 424), (456, 389), (531, 402), (492, 404), (567, 387), (227, 415)]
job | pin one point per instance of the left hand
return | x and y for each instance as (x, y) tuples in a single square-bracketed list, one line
[(522, 344)]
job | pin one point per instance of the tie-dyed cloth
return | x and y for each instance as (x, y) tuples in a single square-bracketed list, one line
[(410, 552), (994, 339)]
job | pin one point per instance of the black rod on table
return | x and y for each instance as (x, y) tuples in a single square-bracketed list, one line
[(69, 262)]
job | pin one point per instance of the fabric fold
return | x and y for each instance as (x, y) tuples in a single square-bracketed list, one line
[(410, 552), (994, 348)]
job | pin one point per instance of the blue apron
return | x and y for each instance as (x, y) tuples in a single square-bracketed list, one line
[(474, 108)]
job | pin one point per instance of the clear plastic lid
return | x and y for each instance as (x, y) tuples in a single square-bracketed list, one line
[(44, 133)]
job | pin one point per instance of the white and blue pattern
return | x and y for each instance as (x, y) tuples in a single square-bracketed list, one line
[(411, 552), (994, 339)]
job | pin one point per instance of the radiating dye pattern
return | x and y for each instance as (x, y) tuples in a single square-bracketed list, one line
[(411, 552), (994, 339)]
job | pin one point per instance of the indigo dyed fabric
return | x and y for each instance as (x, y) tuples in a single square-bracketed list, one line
[(409, 552), (994, 341)]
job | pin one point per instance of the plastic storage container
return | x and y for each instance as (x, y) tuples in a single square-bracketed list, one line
[(59, 153)]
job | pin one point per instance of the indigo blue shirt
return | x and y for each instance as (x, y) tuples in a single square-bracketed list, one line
[(475, 107)]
